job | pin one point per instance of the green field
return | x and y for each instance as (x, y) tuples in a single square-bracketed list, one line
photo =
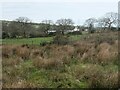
[(36, 41)]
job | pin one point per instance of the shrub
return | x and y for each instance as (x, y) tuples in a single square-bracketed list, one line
[(5, 35), (75, 33), (25, 45), (44, 43), (52, 34), (92, 31), (61, 40)]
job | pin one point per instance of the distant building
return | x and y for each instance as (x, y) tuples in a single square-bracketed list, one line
[(66, 31), (86, 30), (76, 29)]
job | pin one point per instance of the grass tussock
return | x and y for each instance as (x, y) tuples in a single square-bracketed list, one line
[(15, 50), (22, 52), (11, 61), (45, 63), (95, 75), (7, 51), (107, 53)]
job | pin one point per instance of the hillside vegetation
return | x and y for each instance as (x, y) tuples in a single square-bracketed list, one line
[(88, 62)]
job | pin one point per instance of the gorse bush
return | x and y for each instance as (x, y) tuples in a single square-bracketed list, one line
[(43, 43), (61, 40)]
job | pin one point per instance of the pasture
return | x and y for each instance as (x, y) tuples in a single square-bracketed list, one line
[(36, 41)]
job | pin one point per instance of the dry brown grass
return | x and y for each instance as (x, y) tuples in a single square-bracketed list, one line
[(110, 80), (90, 56), (53, 57), (82, 47), (54, 54), (14, 50), (22, 52), (102, 53), (98, 38), (11, 61), (19, 84), (96, 76), (107, 53), (46, 63), (7, 51), (83, 51), (91, 59)]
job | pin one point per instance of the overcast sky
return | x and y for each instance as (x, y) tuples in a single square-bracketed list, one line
[(77, 10)]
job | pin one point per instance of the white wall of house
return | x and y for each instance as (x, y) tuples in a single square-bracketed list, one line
[(75, 29)]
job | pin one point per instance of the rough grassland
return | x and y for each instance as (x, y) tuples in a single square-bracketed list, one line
[(89, 62)]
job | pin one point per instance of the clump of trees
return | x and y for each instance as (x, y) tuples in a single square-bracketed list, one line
[(61, 39), (64, 25), (108, 20), (23, 27)]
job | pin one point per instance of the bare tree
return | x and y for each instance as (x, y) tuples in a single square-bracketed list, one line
[(64, 24), (111, 19), (46, 25), (47, 22), (90, 23), (24, 26), (102, 22), (23, 20)]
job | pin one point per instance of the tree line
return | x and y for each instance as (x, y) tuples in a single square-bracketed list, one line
[(23, 27)]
